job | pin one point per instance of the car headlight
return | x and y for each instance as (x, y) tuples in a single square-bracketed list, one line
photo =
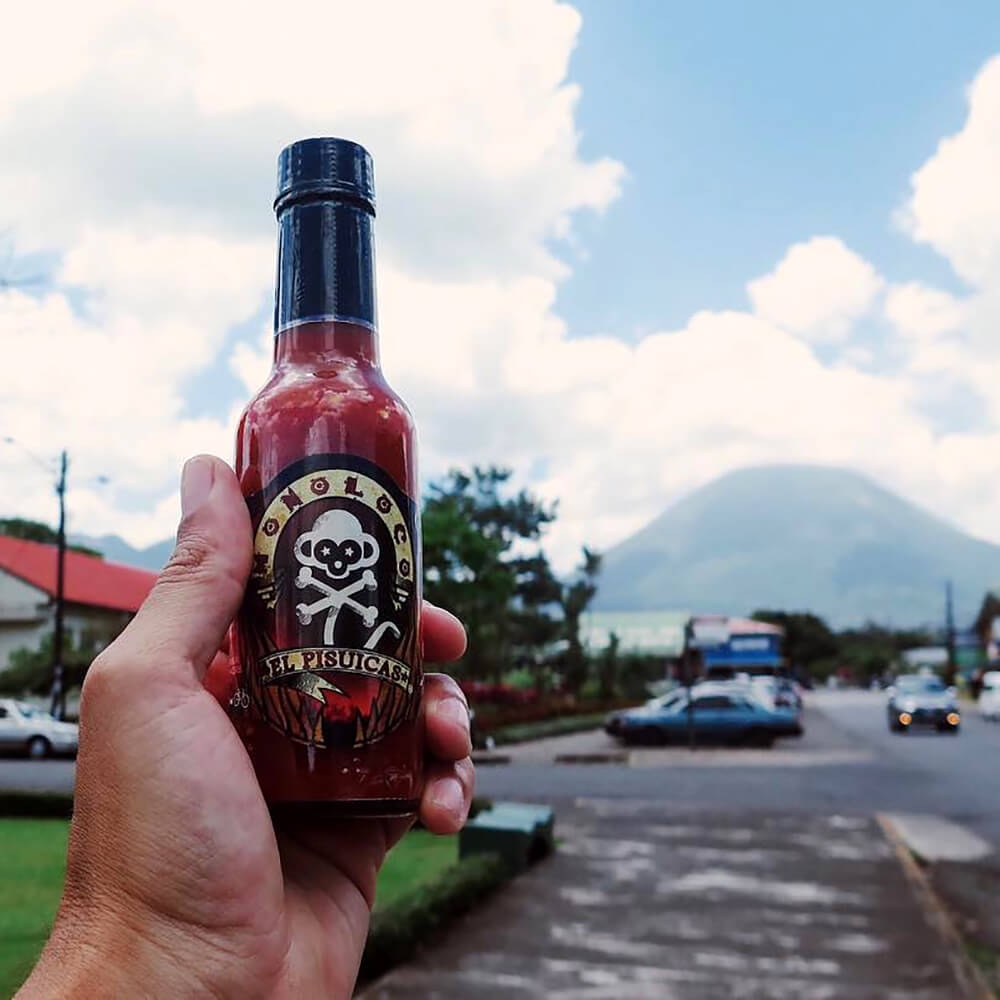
[(909, 705)]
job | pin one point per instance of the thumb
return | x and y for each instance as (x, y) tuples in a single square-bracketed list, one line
[(183, 621)]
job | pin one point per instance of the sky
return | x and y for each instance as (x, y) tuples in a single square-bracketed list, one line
[(622, 248)]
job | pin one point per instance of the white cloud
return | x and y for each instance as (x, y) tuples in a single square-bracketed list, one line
[(955, 201), (144, 155), (817, 290), (141, 149), (920, 312)]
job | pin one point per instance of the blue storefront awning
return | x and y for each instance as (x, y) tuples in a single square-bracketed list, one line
[(728, 659)]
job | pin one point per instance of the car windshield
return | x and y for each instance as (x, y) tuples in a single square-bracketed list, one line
[(30, 712), (920, 685), (665, 699)]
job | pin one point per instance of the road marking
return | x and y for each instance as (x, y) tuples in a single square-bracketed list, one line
[(746, 758)]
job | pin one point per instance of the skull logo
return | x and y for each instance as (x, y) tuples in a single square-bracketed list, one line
[(338, 547)]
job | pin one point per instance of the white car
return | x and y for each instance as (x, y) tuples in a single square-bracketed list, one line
[(29, 730), (989, 696)]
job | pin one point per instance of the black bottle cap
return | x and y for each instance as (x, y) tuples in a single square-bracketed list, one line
[(325, 168)]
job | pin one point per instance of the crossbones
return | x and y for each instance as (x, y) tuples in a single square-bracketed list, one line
[(334, 600)]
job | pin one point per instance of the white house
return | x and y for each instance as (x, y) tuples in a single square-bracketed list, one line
[(99, 596)]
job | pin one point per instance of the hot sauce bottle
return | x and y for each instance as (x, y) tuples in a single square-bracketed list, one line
[(327, 644)]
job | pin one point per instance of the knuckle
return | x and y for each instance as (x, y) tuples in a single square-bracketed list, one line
[(100, 681), (444, 686), (466, 772), (198, 557), (192, 556)]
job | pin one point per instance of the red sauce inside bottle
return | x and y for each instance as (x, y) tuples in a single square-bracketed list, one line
[(327, 395)]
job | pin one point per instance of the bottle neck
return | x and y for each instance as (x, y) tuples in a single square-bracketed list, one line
[(321, 345), (325, 297)]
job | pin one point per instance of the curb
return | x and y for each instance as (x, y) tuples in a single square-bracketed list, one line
[(970, 979), (611, 757)]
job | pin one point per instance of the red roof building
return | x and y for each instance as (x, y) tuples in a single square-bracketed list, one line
[(100, 596)]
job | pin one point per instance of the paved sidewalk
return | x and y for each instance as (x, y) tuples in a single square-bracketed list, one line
[(644, 900)]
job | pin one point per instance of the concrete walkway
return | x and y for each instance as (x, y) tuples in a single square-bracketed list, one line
[(644, 900)]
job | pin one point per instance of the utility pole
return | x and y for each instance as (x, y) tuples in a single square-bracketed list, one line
[(688, 659), (58, 700), (949, 638)]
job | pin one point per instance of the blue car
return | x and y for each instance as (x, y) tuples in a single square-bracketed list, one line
[(732, 718)]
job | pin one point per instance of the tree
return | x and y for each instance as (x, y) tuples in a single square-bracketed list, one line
[(574, 599), (608, 667), (478, 563), (808, 640), (37, 531), (30, 670), (873, 650)]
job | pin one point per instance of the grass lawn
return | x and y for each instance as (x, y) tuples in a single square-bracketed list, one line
[(417, 859), (32, 859)]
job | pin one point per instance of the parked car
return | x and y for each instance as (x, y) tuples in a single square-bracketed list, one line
[(989, 696), (777, 690), (613, 721), (922, 700), (25, 729), (731, 714)]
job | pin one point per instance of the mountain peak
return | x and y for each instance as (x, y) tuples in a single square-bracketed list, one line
[(799, 537)]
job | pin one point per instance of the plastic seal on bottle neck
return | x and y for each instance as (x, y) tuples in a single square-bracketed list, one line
[(325, 169)]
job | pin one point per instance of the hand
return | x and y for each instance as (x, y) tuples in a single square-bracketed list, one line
[(177, 885)]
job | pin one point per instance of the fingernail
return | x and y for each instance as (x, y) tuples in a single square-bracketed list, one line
[(196, 483), (448, 795)]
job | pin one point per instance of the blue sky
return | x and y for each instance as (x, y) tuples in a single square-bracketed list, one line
[(746, 127)]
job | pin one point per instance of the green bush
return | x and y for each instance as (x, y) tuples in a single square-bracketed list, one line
[(398, 931), (559, 726), (522, 678), (490, 718)]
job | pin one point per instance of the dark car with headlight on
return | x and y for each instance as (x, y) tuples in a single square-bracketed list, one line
[(922, 700)]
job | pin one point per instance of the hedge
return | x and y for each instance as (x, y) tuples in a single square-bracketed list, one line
[(35, 805), (490, 718), (399, 931)]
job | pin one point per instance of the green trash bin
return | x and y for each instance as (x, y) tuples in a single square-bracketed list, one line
[(519, 832)]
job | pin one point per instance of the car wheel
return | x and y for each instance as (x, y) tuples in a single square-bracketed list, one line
[(38, 747), (760, 738)]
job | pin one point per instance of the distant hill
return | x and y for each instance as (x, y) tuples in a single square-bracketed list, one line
[(799, 537), (116, 549)]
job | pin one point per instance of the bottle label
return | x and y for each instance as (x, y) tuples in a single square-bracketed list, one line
[(329, 629)]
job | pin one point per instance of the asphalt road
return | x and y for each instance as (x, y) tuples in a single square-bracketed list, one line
[(18, 775), (847, 762)]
